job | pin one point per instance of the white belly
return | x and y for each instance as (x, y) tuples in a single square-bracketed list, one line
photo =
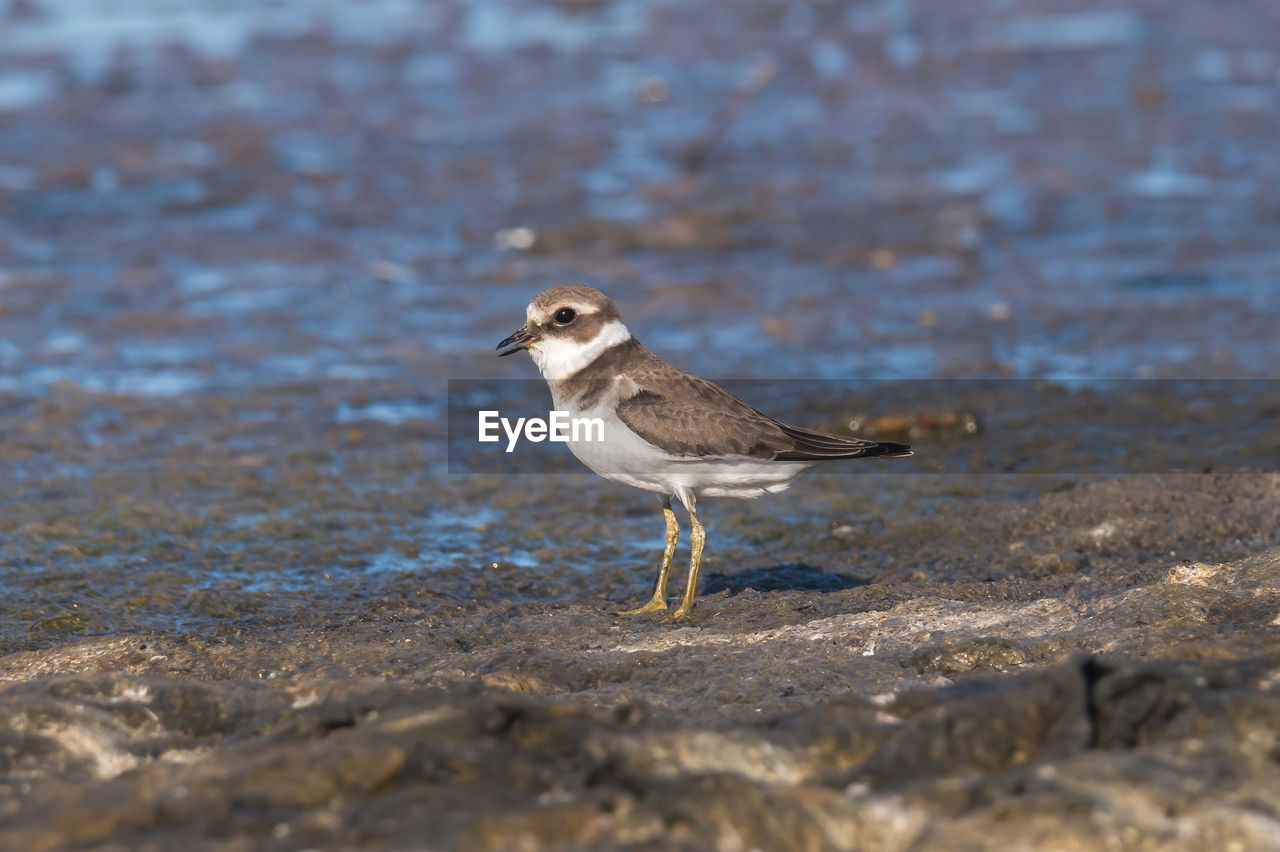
[(624, 457)]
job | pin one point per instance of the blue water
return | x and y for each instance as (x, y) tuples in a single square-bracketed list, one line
[(335, 213)]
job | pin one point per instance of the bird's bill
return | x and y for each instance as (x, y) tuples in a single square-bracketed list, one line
[(523, 339)]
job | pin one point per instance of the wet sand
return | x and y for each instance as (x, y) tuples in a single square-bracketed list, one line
[(251, 599)]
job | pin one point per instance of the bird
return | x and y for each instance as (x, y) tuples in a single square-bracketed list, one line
[(665, 430)]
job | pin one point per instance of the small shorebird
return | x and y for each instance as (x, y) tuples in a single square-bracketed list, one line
[(665, 430)]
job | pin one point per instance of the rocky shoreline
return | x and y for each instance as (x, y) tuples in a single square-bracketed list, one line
[(1120, 699)]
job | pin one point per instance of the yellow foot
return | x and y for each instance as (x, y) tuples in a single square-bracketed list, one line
[(685, 609), (655, 605)]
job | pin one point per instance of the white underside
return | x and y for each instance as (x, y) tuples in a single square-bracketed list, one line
[(625, 457)]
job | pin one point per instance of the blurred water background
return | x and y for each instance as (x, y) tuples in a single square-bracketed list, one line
[(200, 196)]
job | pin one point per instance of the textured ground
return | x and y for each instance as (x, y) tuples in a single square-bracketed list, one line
[(251, 600)]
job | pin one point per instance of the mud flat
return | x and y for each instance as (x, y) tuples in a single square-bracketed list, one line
[(309, 644), (1010, 715)]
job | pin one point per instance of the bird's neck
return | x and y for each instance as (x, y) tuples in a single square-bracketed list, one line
[(558, 360)]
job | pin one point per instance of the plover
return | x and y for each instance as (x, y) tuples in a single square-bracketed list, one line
[(665, 430)]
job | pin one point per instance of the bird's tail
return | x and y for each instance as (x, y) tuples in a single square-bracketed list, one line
[(886, 450), (818, 446)]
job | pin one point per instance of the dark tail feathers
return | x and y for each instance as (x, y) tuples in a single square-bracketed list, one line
[(818, 446)]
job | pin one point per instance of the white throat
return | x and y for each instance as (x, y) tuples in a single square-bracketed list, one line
[(560, 359)]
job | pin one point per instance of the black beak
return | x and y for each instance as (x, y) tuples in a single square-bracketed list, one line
[(523, 339)]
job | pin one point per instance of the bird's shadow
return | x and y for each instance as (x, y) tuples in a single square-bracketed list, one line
[(795, 576)]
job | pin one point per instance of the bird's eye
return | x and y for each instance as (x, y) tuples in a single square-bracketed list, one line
[(564, 316)]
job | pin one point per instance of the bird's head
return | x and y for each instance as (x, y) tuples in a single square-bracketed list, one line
[(566, 328)]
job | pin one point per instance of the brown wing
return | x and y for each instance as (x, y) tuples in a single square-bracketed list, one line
[(688, 415)]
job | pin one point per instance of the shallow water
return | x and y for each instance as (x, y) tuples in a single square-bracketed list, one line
[(867, 215)]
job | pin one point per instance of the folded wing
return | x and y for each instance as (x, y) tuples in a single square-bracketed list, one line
[(687, 415)]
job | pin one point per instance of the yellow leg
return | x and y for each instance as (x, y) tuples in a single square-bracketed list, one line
[(659, 600), (697, 536)]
